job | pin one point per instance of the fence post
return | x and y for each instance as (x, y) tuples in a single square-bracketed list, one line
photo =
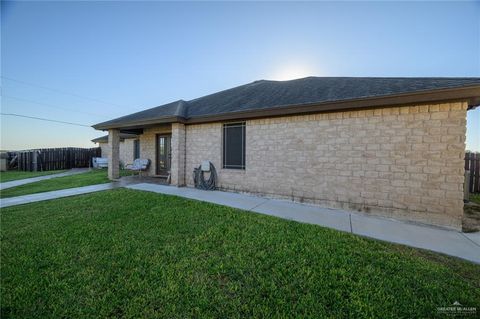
[(466, 186), (35, 160), (472, 172), (476, 188)]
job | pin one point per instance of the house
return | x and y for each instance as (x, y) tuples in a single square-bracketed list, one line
[(129, 147), (386, 146)]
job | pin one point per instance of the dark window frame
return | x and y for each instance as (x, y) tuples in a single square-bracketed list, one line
[(225, 129), (136, 148)]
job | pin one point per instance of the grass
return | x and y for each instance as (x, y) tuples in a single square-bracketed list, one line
[(475, 198), (15, 175), (125, 253), (84, 179)]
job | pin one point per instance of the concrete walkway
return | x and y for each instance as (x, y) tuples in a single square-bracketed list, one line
[(41, 178), (38, 197), (462, 245)]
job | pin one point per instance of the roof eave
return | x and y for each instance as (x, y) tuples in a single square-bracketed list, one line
[(104, 139), (138, 124), (99, 140)]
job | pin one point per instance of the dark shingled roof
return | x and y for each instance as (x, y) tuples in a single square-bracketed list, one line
[(170, 110), (264, 94)]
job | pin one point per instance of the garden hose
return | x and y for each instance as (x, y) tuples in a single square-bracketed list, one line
[(199, 178)]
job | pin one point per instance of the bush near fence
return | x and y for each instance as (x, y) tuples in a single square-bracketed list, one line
[(472, 164), (47, 159)]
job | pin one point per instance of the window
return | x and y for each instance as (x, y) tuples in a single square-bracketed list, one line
[(234, 145), (136, 149)]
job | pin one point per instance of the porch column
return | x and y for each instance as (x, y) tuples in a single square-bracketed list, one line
[(114, 158), (177, 170)]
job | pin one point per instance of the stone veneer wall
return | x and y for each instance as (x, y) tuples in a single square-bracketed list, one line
[(404, 162), (105, 149), (178, 154), (126, 151), (114, 158)]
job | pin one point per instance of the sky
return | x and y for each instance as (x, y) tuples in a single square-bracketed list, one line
[(86, 62)]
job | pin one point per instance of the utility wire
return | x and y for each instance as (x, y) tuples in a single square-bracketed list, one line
[(44, 119), (53, 106), (61, 91)]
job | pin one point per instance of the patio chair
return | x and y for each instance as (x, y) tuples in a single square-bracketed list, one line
[(100, 162), (139, 165)]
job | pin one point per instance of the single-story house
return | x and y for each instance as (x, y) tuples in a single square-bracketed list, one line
[(129, 147), (387, 146)]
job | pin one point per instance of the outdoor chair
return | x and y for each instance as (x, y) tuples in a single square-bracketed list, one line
[(139, 165), (100, 162)]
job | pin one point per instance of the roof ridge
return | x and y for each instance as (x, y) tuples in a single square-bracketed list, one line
[(375, 77), (182, 108)]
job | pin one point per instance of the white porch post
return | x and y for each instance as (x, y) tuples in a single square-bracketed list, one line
[(114, 158), (177, 170)]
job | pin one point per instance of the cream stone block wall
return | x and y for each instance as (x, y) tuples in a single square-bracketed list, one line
[(178, 154), (126, 151), (402, 162), (113, 160), (105, 149), (148, 144)]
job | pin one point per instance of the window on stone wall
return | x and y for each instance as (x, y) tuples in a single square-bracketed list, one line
[(136, 149), (234, 145)]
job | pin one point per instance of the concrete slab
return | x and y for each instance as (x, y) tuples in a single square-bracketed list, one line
[(41, 178), (309, 214), (234, 200), (440, 240), (303, 213), (475, 237), (32, 198)]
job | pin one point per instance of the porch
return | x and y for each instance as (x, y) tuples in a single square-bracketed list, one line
[(162, 144)]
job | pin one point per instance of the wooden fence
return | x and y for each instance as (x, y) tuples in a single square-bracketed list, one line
[(472, 164), (47, 159)]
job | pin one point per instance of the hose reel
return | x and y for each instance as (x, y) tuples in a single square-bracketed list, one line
[(199, 176)]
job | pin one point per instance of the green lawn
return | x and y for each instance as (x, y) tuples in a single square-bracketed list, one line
[(475, 198), (125, 253), (14, 175), (89, 178)]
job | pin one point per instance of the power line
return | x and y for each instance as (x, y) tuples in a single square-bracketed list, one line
[(44, 119), (52, 106), (61, 91)]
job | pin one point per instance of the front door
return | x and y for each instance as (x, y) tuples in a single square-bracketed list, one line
[(164, 154)]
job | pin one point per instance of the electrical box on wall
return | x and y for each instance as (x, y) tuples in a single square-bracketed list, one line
[(206, 166)]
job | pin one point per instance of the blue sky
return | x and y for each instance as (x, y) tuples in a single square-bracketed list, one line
[(119, 57)]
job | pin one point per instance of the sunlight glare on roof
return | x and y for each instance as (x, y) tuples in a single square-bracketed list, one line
[(292, 71)]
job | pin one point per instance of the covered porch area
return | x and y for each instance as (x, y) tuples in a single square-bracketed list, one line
[(162, 144)]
